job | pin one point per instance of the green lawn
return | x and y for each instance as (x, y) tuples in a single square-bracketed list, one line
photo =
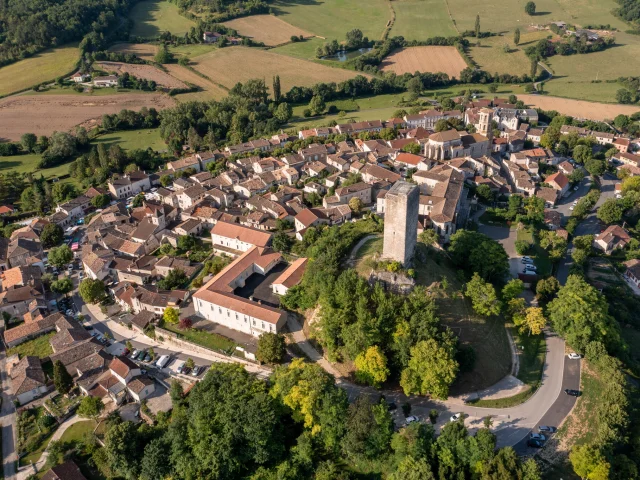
[(41, 67), (205, 339), (332, 19), (76, 432), (422, 19), (152, 17), (38, 347), (305, 50), (192, 50), (133, 139)]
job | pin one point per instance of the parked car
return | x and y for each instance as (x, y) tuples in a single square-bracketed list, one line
[(410, 419), (456, 417), (573, 393), (135, 354), (125, 352), (196, 371), (147, 358), (141, 355), (574, 356), (527, 259), (162, 361), (537, 436), (575, 189), (545, 428), (69, 313), (80, 275), (178, 366), (535, 443)]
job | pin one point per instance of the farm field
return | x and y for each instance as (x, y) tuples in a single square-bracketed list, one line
[(145, 72), (305, 50), (209, 89), (133, 139), (43, 115), (229, 66), (425, 59), (332, 19), (266, 28), (145, 51), (421, 19), (41, 67), (589, 91), (152, 17), (491, 57), (578, 108), (192, 50)]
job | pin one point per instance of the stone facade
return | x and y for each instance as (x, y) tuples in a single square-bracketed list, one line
[(401, 222)]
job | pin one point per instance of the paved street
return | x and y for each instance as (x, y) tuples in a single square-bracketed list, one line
[(8, 422)]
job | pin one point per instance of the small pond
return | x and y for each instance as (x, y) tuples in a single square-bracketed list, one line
[(343, 56)]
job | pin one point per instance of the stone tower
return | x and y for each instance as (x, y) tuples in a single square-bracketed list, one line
[(401, 222), (484, 127)]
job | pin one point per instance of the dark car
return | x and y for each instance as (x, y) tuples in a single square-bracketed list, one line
[(547, 429), (147, 358), (573, 393), (535, 443), (141, 355), (186, 370), (391, 406)]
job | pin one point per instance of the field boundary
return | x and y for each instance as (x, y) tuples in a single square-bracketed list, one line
[(48, 82), (200, 74)]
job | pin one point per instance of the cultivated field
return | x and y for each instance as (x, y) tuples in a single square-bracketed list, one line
[(152, 17), (578, 108), (145, 51), (425, 59), (228, 66), (266, 28), (334, 18), (209, 89), (41, 67), (145, 72), (421, 19), (43, 115)]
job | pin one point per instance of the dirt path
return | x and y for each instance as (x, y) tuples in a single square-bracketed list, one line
[(351, 261)]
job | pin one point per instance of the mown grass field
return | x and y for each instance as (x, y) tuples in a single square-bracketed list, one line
[(491, 56), (266, 28), (305, 50), (152, 17), (332, 19), (41, 67), (229, 66), (133, 139), (421, 19)]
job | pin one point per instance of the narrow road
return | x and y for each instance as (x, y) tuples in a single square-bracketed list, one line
[(8, 422)]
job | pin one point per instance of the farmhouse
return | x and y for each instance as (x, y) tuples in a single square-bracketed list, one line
[(107, 81)]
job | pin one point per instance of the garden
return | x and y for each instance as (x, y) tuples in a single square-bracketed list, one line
[(35, 429)]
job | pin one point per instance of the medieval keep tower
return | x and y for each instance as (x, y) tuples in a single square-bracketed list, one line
[(401, 222)]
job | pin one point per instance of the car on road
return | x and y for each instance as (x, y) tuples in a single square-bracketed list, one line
[(456, 417), (537, 436), (547, 429), (410, 419), (574, 356), (572, 393), (535, 443)]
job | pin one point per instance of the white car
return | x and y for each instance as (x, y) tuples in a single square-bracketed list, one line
[(574, 356), (575, 189), (571, 208), (618, 196), (410, 419), (456, 417)]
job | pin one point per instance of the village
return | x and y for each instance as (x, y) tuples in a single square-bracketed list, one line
[(183, 250)]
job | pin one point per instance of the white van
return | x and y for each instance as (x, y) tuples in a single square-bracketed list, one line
[(162, 361)]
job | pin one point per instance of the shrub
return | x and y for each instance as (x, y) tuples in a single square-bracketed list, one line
[(522, 247)]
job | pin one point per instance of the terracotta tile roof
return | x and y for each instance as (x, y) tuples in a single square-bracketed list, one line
[(244, 234), (310, 215), (559, 179), (137, 384), (32, 328), (122, 366), (27, 375), (66, 471), (293, 274)]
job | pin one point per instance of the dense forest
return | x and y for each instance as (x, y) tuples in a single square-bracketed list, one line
[(28, 26), (630, 11), (222, 10)]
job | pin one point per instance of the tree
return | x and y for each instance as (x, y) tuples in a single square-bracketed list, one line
[(355, 39), (271, 348), (428, 237), (171, 315), (581, 315), (582, 153), (174, 279), (371, 367), (610, 211), (431, 369), (493, 88), (530, 8), (190, 363), (138, 200), (483, 296), (163, 55), (369, 429), (355, 204), (52, 235), (553, 243), (283, 112), (477, 28), (282, 242), (630, 184), (154, 464), (624, 96), (516, 36), (547, 288), (123, 449), (595, 167), (534, 321), (62, 286), (90, 407), (186, 243), (475, 252), (317, 105), (589, 463), (534, 68), (512, 289), (29, 142), (485, 193), (60, 256), (100, 201), (61, 378), (411, 468), (185, 323), (277, 92), (91, 291)]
